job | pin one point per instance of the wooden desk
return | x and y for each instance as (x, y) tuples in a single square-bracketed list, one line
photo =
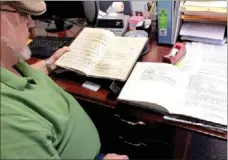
[(110, 116)]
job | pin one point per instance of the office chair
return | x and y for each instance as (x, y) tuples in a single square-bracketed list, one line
[(91, 11)]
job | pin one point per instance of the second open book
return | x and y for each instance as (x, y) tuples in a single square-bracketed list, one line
[(99, 53), (169, 90)]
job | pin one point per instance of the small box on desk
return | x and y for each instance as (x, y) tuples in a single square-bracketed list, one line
[(176, 54)]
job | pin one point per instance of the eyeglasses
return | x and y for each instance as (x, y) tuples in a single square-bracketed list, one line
[(12, 11)]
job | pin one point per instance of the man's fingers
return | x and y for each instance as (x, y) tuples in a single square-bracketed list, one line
[(124, 157), (112, 156), (60, 52), (63, 50)]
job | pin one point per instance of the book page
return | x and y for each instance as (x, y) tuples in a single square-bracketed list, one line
[(200, 56), (120, 58), (206, 93), (156, 84), (86, 50), (206, 98)]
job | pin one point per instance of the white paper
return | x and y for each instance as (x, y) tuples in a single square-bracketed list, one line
[(213, 53), (113, 14), (206, 94), (155, 83), (204, 40), (91, 86), (206, 98), (210, 31), (86, 50), (192, 60), (101, 14), (201, 56)]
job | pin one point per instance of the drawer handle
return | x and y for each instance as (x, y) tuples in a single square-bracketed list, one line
[(129, 122), (133, 144)]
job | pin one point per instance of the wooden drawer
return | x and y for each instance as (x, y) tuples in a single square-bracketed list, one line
[(134, 129), (160, 132), (129, 128), (123, 133), (145, 150)]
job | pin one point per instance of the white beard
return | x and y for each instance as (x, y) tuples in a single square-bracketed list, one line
[(25, 53)]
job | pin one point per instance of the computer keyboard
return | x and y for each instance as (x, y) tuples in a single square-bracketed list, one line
[(44, 47)]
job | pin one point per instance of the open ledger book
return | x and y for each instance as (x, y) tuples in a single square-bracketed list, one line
[(99, 53), (169, 90)]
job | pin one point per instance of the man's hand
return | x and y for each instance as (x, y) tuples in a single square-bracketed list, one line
[(41, 64), (57, 55), (115, 156)]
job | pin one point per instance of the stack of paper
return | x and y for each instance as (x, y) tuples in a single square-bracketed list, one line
[(204, 21), (207, 33), (216, 9)]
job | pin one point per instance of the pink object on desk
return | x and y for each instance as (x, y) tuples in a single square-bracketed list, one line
[(177, 53), (134, 20)]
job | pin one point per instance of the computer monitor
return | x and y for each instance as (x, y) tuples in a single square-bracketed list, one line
[(59, 11)]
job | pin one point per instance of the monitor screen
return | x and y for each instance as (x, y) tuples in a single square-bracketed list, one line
[(58, 12), (63, 9)]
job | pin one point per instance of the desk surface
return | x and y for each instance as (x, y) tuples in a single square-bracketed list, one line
[(101, 96)]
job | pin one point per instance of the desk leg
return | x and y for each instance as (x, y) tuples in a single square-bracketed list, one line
[(182, 141)]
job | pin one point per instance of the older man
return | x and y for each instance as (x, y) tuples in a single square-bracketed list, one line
[(39, 120)]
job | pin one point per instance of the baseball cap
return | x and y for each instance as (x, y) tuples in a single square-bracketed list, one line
[(32, 7)]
